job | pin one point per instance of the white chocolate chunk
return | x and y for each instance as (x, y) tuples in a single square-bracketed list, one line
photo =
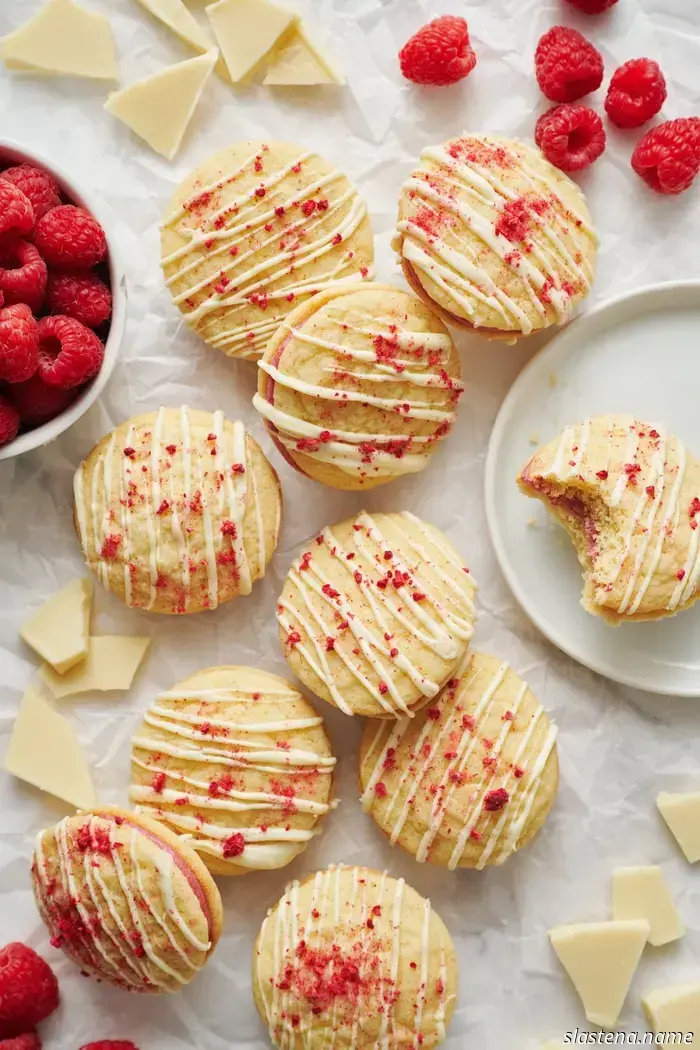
[(44, 751), (641, 893), (65, 40), (298, 60), (601, 959), (174, 15), (159, 108), (682, 814), (58, 631), (246, 31), (674, 1009), (111, 663)]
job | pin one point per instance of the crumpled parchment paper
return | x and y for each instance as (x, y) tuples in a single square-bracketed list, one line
[(618, 748)]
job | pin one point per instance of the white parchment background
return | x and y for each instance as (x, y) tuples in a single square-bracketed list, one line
[(618, 747)]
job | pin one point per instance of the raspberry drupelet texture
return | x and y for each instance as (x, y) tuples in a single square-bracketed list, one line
[(19, 343), (16, 212), (668, 157), (636, 93), (9, 425), (69, 353), (37, 185), (23, 274), (37, 403), (82, 296), (28, 987), (28, 1041), (440, 53), (593, 7), (571, 137), (70, 238), (567, 65)]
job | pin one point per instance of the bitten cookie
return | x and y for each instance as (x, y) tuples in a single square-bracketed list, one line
[(354, 959), (254, 231), (628, 494), (236, 761), (376, 614), (494, 237), (358, 385), (128, 901), (471, 778), (177, 511)]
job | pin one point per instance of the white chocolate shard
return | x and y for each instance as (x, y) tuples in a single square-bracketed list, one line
[(63, 39), (682, 814), (58, 631), (246, 32), (642, 893), (110, 665)]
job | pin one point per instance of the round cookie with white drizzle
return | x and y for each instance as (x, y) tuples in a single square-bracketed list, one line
[(126, 900), (354, 959), (377, 613), (359, 385), (494, 237), (253, 232), (237, 762), (628, 494), (177, 510), (470, 779)]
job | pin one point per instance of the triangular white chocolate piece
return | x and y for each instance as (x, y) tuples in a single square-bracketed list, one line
[(174, 15), (44, 751), (246, 31), (111, 663), (299, 61), (601, 959), (58, 631), (682, 814), (642, 893), (159, 108), (675, 1009), (63, 39)]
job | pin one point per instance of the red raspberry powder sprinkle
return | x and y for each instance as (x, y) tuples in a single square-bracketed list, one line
[(233, 845), (380, 789)]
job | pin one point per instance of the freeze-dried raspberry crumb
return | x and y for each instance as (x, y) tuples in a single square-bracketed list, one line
[(22, 274), (567, 65), (110, 1044), (636, 93), (37, 403), (234, 845), (19, 343), (571, 137), (439, 53), (16, 212), (83, 296), (668, 157), (9, 425), (593, 7), (40, 188), (69, 353), (28, 989), (495, 800), (28, 1041), (70, 238)]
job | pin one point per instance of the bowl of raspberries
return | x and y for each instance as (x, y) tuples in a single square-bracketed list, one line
[(62, 302)]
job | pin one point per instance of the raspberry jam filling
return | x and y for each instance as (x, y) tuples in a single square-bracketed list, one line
[(576, 514), (270, 396), (410, 275)]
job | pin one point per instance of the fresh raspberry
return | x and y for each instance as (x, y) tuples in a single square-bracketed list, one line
[(9, 425), (567, 65), (571, 137), (28, 1041), (70, 238), (28, 985), (439, 53), (69, 353), (82, 296), (668, 157), (593, 7), (16, 212), (37, 403), (636, 94), (22, 274), (19, 343), (37, 185), (110, 1044)]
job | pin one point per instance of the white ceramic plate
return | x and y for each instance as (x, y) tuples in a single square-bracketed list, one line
[(638, 354)]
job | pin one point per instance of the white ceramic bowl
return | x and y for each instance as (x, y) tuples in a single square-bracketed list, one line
[(14, 153)]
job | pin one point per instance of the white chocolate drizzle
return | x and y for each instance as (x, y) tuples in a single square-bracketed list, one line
[(449, 183), (267, 270)]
